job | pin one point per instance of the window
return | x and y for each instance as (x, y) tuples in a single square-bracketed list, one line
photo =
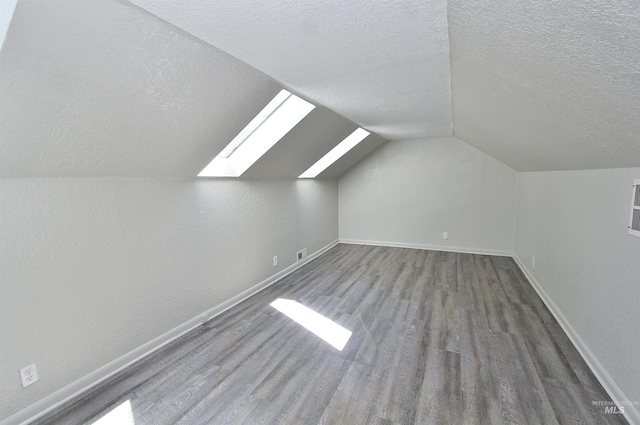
[(261, 134), (634, 220), (334, 154)]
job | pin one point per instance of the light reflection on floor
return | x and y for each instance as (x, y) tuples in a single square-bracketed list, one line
[(121, 415), (323, 327)]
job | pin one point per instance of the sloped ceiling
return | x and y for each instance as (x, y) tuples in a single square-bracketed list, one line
[(107, 88), (546, 84), (539, 85), (104, 88), (384, 65)]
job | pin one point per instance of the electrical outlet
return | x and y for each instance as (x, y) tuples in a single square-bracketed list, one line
[(533, 262), (28, 375), (445, 235), (275, 261)]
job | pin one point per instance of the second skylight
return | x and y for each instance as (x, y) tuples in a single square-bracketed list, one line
[(334, 154)]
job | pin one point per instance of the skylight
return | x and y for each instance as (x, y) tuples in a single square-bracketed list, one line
[(265, 130), (336, 153)]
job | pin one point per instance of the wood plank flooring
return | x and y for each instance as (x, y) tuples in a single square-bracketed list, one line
[(438, 338)]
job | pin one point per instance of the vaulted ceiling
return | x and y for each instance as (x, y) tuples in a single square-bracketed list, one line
[(382, 64), (546, 84), (104, 88), (158, 88)]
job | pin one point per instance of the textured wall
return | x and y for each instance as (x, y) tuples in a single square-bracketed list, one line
[(93, 268), (103, 88), (575, 225), (411, 191)]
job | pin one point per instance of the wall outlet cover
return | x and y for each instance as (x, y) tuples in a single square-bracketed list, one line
[(28, 375)]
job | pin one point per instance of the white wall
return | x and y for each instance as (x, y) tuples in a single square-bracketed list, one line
[(408, 192), (575, 225), (93, 268)]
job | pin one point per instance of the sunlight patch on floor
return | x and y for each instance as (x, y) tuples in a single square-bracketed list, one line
[(323, 327), (121, 415)]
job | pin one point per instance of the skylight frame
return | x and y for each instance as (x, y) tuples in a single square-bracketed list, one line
[(269, 126), (255, 123), (335, 154)]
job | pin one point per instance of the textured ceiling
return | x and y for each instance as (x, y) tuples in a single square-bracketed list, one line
[(384, 65), (547, 84), (103, 88)]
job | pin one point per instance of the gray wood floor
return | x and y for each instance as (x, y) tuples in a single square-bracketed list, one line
[(438, 338)]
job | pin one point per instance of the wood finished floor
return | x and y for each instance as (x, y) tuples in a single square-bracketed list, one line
[(438, 338)]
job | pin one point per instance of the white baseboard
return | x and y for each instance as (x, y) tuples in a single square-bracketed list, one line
[(631, 413), (429, 247), (67, 393)]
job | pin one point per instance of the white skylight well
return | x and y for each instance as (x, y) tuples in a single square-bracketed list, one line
[(336, 153), (261, 134)]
